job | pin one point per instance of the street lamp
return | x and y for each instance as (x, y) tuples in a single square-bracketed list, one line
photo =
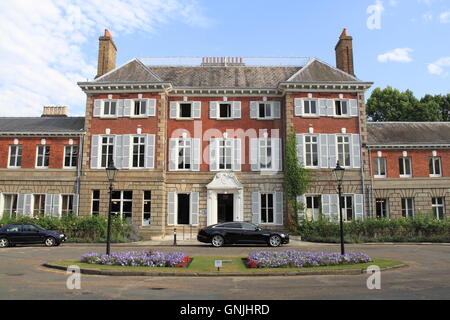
[(339, 176), (111, 172)]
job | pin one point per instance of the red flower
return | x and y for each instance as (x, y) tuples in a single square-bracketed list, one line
[(184, 262), (251, 264)]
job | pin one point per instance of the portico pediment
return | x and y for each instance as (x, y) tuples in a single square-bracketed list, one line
[(225, 181)]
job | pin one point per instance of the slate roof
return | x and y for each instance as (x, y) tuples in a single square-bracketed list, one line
[(225, 76), (408, 133), (67, 125), (317, 70)]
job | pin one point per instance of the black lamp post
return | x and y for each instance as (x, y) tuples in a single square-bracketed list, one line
[(111, 172), (339, 176)]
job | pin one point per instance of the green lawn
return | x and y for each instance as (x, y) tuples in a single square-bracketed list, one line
[(203, 264)]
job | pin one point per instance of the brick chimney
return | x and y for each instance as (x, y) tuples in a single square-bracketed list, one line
[(54, 111), (344, 53), (107, 53)]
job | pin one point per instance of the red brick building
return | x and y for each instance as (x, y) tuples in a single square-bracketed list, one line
[(199, 141)]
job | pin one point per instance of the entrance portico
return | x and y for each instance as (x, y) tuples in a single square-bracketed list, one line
[(225, 194)]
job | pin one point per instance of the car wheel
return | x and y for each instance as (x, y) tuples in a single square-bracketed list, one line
[(275, 241), (217, 241), (50, 242), (4, 243)]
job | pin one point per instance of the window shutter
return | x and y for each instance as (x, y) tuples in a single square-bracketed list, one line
[(298, 107), (171, 208), (196, 154), (359, 206), (301, 212), (237, 156), (20, 204), (300, 148), (332, 151), (323, 147), (173, 154), (150, 151), (118, 152), (151, 107), (213, 160), (254, 154), (197, 110), (75, 204), (1, 205), (128, 105), (98, 104), (254, 106), (28, 205), (194, 208), (126, 151), (95, 150), (276, 154), (323, 107), (48, 204), (213, 109), (356, 151), (56, 210), (353, 107), (279, 208), (173, 110), (236, 110), (256, 207), (120, 108), (276, 109), (330, 107), (326, 208), (334, 207)]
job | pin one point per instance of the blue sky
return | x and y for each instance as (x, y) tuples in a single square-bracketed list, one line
[(50, 45)]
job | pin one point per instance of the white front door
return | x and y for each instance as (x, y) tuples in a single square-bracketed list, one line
[(216, 202)]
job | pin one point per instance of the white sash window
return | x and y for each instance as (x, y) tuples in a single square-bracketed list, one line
[(343, 150), (43, 156), (311, 151), (138, 152), (107, 151), (184, 154), (225, 154), (15, 156)]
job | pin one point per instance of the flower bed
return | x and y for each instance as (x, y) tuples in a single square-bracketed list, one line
[(299, 259), (139, 259)]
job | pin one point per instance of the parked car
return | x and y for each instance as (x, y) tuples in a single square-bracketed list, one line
[(241, 233), (27, 233)]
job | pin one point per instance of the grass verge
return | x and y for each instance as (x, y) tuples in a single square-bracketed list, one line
[(205, 265)]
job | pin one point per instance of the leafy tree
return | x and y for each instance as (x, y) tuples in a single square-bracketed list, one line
[(390, 104), (443, 102), (296, 179)]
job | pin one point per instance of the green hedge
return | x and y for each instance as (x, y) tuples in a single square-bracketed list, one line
[(377, 230), (84, 229)]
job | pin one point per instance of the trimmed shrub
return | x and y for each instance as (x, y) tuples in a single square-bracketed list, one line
[(420, 229), (84, 229)]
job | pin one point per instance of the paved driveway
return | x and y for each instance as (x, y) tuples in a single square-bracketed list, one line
[(427, 277)]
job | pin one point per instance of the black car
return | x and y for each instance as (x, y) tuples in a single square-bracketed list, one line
[(241, 233), (27, 233)]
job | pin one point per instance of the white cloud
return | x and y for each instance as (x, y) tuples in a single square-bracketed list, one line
[(444, 17), (397, 55), (42, 42), (438, 67)]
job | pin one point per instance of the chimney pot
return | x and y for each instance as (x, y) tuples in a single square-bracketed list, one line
[(344, 53), (107, 54), (54, 111)]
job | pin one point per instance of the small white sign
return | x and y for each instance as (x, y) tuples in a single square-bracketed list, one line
[(218, 263)]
